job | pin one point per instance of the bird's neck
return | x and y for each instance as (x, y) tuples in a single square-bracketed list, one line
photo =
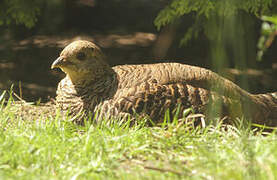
[(94, 84), (84, 78)]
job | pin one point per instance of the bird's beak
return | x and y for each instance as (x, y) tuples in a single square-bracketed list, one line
[(60, 61)]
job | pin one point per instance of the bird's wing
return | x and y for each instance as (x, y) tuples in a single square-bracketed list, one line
[(173, 73), (154, 99)]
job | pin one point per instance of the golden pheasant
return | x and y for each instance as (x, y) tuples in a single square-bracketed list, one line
[(91, 85)]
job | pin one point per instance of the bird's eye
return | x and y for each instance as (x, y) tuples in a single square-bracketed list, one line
[(81, 56)]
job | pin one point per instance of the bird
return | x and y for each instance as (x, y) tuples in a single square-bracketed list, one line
[(92, 86)]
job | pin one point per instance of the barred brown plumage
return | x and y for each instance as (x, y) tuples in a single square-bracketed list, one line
[(150, 89)]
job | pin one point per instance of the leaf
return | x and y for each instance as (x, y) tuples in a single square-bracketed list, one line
[(2, 96), (272, 19)]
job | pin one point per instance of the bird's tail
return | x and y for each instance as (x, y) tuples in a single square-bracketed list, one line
[(266, 111)]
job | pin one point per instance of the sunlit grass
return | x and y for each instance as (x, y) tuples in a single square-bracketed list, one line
[(52, 148)]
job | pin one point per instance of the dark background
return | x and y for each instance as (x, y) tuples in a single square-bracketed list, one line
[(125, 31)]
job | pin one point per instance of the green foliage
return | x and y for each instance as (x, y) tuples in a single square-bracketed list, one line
[(269, 32), (204, 10), (52, 148), (19, 12), (272, 19)]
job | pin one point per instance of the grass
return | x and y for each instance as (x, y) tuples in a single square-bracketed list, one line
[(52, 148)]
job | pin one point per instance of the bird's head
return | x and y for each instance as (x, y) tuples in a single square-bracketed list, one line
[(81, 61)]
